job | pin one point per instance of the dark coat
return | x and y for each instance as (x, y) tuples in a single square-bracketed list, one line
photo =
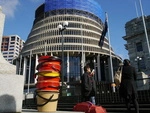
[(128, 83), (88, 85)]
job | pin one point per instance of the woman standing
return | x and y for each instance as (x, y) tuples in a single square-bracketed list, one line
[(128, 86)]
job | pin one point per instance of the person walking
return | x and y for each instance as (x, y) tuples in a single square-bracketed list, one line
[(128, 89), (88, 85)]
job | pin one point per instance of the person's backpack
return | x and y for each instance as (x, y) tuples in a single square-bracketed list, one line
[(118, 75), (88, 107)]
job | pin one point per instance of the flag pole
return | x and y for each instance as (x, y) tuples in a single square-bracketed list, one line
[(111, 65), (145, 27), (136, 10)]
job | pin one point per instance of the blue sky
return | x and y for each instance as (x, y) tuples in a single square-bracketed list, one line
[(20, 17)]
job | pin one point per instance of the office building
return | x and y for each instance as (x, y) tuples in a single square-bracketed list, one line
[(81, 38), (11, 47)]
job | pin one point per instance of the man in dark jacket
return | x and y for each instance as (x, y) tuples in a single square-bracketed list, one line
[(88, 85), (128, 86)]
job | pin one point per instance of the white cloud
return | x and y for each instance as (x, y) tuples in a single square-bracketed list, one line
[(9, 7)]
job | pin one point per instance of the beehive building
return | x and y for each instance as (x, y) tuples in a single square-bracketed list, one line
[(80, 46)]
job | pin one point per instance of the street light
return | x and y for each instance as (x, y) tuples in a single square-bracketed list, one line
[(137, 59), (61, 29), (94, 61)]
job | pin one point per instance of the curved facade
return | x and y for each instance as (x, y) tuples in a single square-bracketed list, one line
[(80, 38), (90, 6)]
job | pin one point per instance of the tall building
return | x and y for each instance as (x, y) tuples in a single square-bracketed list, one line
[(5, 67), (81, 38), (11, 47), (137, 43)]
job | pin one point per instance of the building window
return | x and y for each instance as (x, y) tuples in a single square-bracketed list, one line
[(10, 56), (13, 38), (11, 49), (12, 42), (11, 52), (17, 39), (139, 46)]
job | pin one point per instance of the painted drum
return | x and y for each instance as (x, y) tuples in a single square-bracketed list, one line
[(48, 58), (48, 85), (42, 78), (49, 66)]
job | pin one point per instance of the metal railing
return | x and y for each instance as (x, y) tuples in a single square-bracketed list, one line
[(106, 95)]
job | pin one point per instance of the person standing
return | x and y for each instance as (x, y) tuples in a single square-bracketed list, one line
[(88, 85), (128, 89)]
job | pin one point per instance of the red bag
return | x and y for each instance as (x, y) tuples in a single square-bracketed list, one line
[(97, 109), (88, 107)]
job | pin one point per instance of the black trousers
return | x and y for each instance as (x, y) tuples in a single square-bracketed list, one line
[(129, 100)]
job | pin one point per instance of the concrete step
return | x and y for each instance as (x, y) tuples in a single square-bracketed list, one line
[(110, 107)]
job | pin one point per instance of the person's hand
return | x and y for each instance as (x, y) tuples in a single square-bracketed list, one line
[(93, 71)]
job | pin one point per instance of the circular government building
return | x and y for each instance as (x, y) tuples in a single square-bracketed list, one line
[(78, 42)]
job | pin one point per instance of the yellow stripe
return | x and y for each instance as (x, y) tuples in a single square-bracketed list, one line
[(51, 74)]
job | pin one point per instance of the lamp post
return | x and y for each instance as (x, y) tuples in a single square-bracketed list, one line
[(20, 64), (94, 61), (137, 59), (61, 28)]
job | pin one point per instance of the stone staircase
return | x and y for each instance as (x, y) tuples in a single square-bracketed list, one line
[(110, 108), (119, 108)]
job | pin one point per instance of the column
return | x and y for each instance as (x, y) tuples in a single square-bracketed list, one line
[(98, 67), (68, 67), (36, 63), (109, 69), (20, 64), (17, 66), (24, 68)]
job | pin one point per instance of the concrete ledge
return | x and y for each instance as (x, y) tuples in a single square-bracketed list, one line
[(35, 111), (11, 93)]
